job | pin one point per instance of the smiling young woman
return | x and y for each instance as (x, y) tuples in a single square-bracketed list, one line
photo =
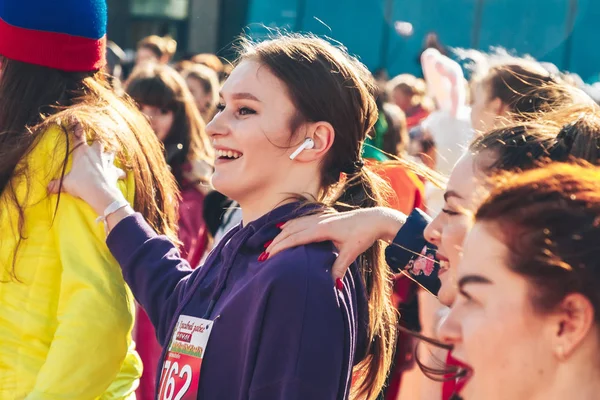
[(281, 327), (530, 273)]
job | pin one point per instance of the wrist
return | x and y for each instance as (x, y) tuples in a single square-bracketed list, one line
[(113, 219), (390, 222), (105, 198)]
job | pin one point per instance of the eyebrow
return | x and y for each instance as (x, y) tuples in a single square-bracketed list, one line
[(473, 279), (242, 96), (451, 193)]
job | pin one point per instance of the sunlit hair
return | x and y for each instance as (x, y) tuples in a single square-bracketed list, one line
[(560, 135), (549, 218), (412, 86), (570, 134), (521, 83), (211, 61), (162, 47), (35, 98)]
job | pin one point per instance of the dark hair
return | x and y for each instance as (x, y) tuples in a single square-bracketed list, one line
[(568, 134), (162, 87), (35, 98), (326, 84), (549, 218), (560, 135), (526, 88), (160, 46)]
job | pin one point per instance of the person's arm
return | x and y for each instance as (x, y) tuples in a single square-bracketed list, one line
[(352, 233), (301, 349), (152, 267), (151, 264), (408, 241)]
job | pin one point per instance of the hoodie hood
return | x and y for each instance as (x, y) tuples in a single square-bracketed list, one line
[(265, 228)]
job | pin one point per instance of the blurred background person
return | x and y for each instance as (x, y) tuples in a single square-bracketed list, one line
[(155, 49), (409, 93), (203, 83)]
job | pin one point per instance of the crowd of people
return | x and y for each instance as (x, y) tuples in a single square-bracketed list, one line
[(289, 226)]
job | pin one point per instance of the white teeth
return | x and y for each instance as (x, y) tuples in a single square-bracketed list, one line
[(444, 264), (228, 154)]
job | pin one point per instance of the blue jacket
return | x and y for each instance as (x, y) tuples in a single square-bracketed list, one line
[(283, 331), (406, 248)]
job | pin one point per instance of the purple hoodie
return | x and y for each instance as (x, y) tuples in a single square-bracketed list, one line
[(283, 331)]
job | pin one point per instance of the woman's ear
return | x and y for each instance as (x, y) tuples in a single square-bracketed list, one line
[(323, 135), (497, 107), (572, 322)]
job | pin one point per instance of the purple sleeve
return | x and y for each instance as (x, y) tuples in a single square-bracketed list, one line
[(153, 269), (302, 351)]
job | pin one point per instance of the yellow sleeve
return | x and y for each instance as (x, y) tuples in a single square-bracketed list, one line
[(95, 308)]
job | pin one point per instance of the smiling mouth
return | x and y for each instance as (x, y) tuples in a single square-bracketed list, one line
[(228, 155), (444, 264)]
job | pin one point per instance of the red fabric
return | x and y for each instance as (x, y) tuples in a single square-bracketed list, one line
[(192, 230), (415, 115), (194, 235), (149, 351), (453, 386), (404, 288), (53, 50)]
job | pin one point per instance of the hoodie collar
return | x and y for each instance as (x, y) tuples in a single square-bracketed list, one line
[(266, 227)]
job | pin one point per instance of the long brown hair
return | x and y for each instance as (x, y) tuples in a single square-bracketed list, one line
[(549, 219), (34, 98), (326, 84), (162, 87)]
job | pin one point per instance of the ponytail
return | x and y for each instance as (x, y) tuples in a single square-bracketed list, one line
[(365, 189)]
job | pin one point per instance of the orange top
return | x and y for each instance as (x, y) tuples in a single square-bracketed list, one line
[(409, 190)]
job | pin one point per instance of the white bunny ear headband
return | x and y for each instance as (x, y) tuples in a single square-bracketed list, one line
[(445, 80)]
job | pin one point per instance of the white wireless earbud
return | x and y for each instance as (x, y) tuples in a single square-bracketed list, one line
[(307, 145)]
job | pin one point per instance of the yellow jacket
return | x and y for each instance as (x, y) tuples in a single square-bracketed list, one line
[(66, 320)]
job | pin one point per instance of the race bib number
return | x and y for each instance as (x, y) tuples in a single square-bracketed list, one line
[(180, 372)]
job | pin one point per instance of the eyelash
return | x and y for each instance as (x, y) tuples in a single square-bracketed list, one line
[(241, 111), (449, 212), (465, 294)]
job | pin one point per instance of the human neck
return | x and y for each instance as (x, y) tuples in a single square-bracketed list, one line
[(572, 382), (255, 205)]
